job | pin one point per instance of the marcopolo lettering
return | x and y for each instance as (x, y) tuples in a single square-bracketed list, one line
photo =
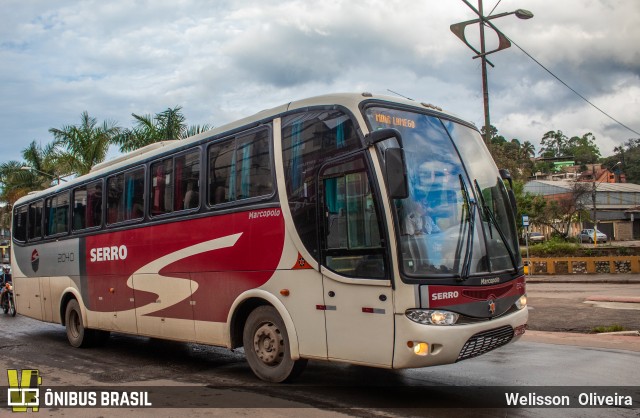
[(264, 214), (112, 253)]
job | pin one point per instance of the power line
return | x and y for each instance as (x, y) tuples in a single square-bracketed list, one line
[(572, 89), (494, 8)]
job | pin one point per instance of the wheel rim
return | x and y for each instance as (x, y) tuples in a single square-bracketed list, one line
[(268, 344)]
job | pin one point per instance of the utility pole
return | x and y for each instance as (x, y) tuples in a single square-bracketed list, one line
[(595, 210), (485, 83), (458, 30)]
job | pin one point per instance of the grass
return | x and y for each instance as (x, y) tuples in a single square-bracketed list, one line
[(610, 328)]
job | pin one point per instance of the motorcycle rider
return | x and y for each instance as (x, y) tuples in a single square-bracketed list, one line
[(6, 277)]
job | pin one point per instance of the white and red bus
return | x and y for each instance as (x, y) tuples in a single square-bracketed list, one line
[(349, 227)]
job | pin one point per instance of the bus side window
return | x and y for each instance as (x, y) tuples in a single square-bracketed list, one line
[(253, 165), (187, 182), (220, 164), (57, 214), (79, 220), (94, 205), (134, 194), (161, 187), (35, 220), (115, 199), (20, 224)]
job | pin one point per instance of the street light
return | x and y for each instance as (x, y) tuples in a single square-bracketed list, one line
[(593, 196), (458, 30), (28, 168)]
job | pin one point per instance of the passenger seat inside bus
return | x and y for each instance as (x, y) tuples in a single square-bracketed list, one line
[(337, 237)]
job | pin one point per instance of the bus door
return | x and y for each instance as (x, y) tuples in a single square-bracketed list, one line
[(356, 282)]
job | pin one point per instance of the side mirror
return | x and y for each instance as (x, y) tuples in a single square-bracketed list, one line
[(381, 135), (396, 173), (505, 175)]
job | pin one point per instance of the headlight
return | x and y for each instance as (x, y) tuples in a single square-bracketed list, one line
[(521, 303), (432, 317)]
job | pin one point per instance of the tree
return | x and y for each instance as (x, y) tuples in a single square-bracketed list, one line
[(560, 212), (16, 182), (553, 144), (629, 155), (493, 132), (529, 204), (511, 154), (164, 126), (584, 149), (528, 149), (85, 145)]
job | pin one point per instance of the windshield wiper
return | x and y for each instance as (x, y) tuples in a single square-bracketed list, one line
[(470, 204), (491, 219)]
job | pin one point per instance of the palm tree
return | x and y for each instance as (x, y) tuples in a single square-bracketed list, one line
[(164, 126), (16, 181), (84, 145), (528, 149)]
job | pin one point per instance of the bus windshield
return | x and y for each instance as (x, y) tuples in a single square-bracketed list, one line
[(457, 220)]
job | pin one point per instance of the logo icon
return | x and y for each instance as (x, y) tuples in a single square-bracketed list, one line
[(492, 307), (24, 392), (35, 260)]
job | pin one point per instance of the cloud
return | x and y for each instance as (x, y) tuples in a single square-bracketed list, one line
[(224, 60)]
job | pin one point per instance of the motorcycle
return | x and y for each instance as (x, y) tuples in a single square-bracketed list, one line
[(7, 302)]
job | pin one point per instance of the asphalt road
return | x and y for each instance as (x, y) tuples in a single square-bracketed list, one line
[(565, 307), (202, 375)]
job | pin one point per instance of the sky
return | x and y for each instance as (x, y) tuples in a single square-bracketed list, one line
[(226, 59)]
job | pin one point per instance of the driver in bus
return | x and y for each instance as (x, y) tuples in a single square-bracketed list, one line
[(418, 221)]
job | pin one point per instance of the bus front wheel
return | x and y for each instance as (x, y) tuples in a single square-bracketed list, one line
[(266, 346)]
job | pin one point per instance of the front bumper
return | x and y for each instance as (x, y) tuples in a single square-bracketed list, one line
[(448, 344)]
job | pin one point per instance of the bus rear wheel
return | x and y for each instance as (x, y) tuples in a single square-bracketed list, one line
[(77, 334), (266, 346)]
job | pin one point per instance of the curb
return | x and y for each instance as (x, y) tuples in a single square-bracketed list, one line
[(616, 342), (622, 333), (621, 299), (582, 280)]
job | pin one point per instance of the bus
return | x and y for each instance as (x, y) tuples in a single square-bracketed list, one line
[(350, 227)]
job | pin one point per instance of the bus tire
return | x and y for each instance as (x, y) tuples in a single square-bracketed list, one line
[(266, 346), (77, 334)]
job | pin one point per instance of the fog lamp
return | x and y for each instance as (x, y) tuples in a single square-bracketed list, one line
[(521, 303), (420, 349), (432, 317)]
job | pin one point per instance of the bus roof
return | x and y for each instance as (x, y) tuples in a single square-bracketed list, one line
[(349, 100)]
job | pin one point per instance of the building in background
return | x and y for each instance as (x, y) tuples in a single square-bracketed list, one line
[(617, 205)]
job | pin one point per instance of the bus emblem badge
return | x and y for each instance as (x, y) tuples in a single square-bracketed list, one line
[(492, 307), (35, 260)]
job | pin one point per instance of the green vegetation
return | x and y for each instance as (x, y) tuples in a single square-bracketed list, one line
[(555, 247), (610, 328), (75, 149), (629, 155)]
